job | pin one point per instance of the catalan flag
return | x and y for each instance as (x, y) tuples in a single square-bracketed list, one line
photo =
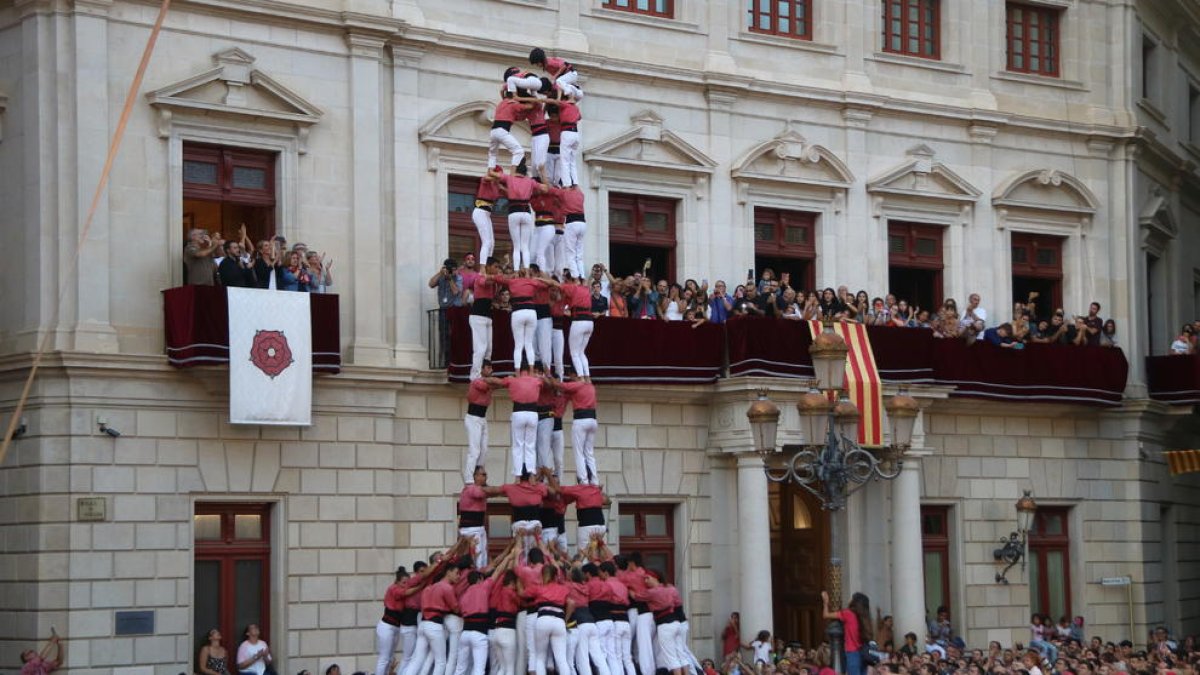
[(863, 385), (1183, 461)]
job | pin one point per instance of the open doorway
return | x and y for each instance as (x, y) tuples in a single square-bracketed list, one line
[(799, 553)]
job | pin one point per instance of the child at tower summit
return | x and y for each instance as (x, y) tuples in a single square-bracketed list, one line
[(562, 74)]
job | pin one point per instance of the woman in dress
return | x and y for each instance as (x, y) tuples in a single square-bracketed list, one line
[(213, 656)]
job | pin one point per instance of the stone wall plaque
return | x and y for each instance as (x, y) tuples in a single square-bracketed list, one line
[(91, 509)]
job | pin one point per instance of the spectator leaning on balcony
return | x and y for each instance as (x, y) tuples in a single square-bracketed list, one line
[(720, 305), (235, 269), (320, 270), (1093, 324), (1185, 343), (199, 268), (1001, 336), (1108, 335), (974, 317)]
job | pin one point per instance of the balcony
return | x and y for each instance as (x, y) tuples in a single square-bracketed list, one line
[(1174, 379), (629, 351), (196, 323)]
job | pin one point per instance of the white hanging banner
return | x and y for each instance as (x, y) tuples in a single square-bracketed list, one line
[(270, 357)]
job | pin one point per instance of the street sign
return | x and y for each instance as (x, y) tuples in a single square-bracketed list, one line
[(1115, 581)]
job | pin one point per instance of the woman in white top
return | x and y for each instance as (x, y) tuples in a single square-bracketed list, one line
[(671, 307), (253, 654)]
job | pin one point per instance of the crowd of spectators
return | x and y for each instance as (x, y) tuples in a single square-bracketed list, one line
[(1053, 648), (211, 260), (642, 296)]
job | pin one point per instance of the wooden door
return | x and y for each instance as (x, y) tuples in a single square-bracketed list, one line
[(799, 551)]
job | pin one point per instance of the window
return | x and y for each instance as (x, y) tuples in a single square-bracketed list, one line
[(464, 237), (1032, 39), (911, 27), (650, 530), (664, 8), (499, 528), (935, 547), (1149, 73), (785, 241), (915, 263), (1050, 562), (224, 188), (1037, 267), (232, 569), (641, 228), (790, 18)]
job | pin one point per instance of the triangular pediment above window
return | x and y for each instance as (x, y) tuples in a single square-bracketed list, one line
[(465, 126), (234, 89), (648, 146), (1046, 190), (1157, 222), (790, 158), (921, 176)]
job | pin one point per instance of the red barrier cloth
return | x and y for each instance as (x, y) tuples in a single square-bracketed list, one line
[(196, 323), (1174, 378), (1038, 373), (629, 351), (760, 345)]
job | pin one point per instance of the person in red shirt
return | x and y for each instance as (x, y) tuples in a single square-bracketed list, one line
[(552, 516), (486, 196), (557, 447), (856, 620), (472, 514), (731, 637), (545, 206), (520, 188), (618, 599), (504, 605), (518, 82), (526, 497), (558, 326), (437, 601), (589, 503), (483, 289), (543, 338), (660, 602), (582, 394), (524, 288), (545, 425), (554, 607), (40, 663), (641, 623), (579, 295), (507, 112), (567, 115), (571, 203), (387, 631), (585, 636), (474, 605), (524, 390), (479, 398), (562, 74)]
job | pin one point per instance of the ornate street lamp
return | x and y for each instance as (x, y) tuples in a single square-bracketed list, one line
[(831, 465), (1014, 547)]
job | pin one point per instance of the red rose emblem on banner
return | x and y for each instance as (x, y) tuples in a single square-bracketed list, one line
[(270, 352)]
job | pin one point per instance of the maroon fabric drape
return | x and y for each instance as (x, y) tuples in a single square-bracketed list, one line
[(903, 354), (1038, 373), (621, 350), (760, 345), (196, 322), (1174, 378)]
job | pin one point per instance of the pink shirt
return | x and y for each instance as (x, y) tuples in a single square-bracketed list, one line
[(552, 593), (618, 593), (571, 200), (508, 110), (635, 580), (660, 600), (474, 601), (521, 287), (580, 297), (556, 66), (394, 598), (479, 392), (519, 188), (583, 395), (472, 498), (584, 496), (504, 599), (489, 190), (439, 599), (483, 287), (568, 113), (525, 494), (523, 388)]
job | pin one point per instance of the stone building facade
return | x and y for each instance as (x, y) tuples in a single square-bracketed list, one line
[(369, 109)]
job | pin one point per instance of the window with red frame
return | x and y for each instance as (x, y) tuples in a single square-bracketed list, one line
[(935, 546), (641, 228), (1032, 38), (663, 8), (225, 188), (1050, 562), (650, 530), (915, 263), (789, 18), (232, 559), (464, 237), (912, 27), (785, 241), (1037, 266)]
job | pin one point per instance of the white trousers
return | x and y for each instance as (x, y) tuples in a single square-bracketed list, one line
[(454, 628), (431, 639), (685, 649), (478, 536), (408, 643), (472, 653), (668, 640), (524, 442), (477, 446), (542, 242), (583, 442), (524, 328), (520, 229), (583, 534), (386, 638), (556, 450), (568, 84), (558, 250), (645, 641), (581, 334), (573, 242), (503, 643), (552, 169), (525, 628), (528, 542), (545, 434), (503, 137), (487, 236), (543, 340), (568, 149), (551, 631), (623, 638), (515, 82), (556, 539), (557, 342), (590, 648), (541, 149), (605, 634), (481, 342)]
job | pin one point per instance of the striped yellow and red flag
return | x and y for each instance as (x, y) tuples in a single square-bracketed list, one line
[(863, 385), (1183, 461)]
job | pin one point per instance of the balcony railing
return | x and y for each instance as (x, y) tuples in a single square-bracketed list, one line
[(196, 322), (650, 352), (1174, 379)]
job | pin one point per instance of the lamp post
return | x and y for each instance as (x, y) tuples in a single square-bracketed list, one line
[(1014, 548), (831, 465)]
